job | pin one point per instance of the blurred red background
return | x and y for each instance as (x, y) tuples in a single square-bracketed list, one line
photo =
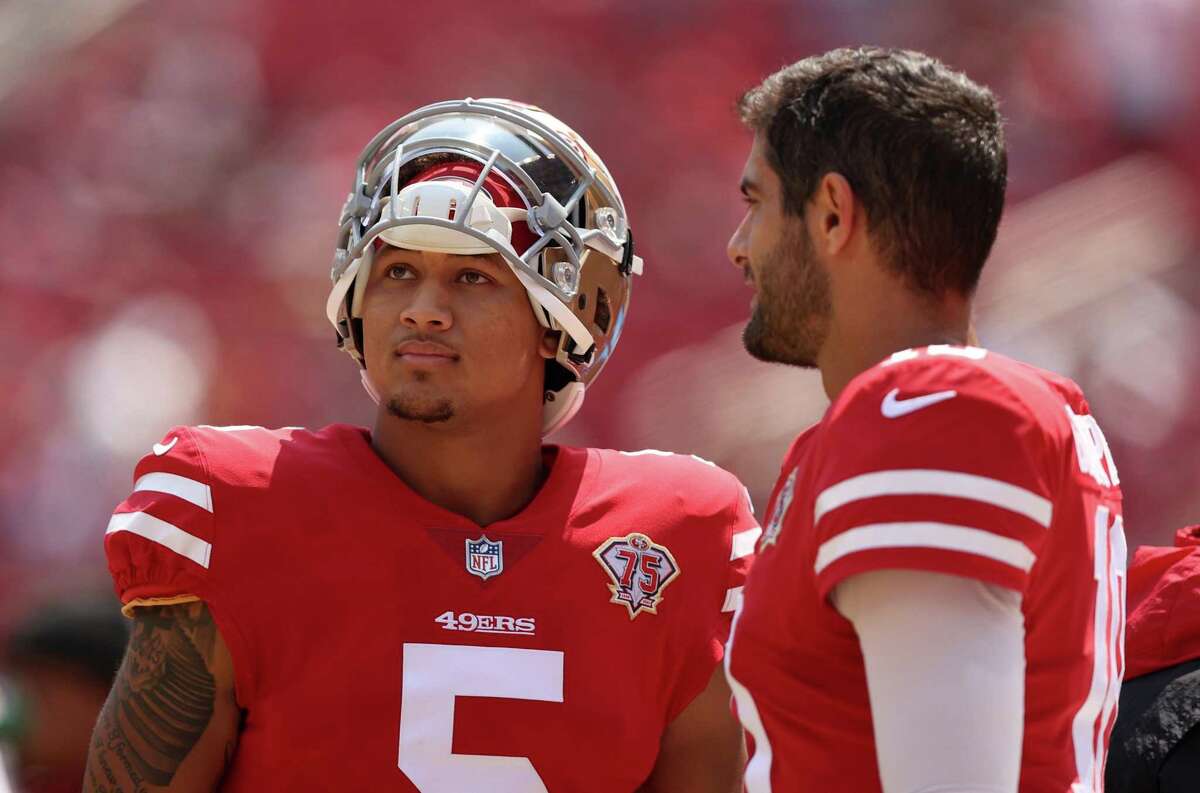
[(171, 175)]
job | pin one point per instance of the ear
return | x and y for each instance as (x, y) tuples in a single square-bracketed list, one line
[(548, 348), (836, 212)]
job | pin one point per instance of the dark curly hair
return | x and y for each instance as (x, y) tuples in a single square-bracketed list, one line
[(920, 144)]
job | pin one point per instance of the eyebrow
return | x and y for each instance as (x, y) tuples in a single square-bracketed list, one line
[(486, 259), (476, 258)]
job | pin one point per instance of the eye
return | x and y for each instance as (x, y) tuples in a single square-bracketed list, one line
[(398, 272), (473, 277)]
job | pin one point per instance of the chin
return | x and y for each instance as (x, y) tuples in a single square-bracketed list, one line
[(409, 404), (422, 412), (772, 346)]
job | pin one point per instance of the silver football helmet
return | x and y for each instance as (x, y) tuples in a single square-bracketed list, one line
[(495, 176)]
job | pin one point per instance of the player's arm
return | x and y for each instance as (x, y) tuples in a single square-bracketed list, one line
[(171, 720), (926, 539), (945, 664), (702, 750)]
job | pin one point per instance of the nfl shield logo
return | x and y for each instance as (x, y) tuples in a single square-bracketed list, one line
[(485, 558)]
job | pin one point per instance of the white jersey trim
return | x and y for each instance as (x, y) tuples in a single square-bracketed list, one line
[(758, 771), (189, 490), (923, 482), (943, 536), (744, 542), (733, 599), (165, 534)]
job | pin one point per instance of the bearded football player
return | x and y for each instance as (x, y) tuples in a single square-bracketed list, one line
[(442, 603), (937, 599)]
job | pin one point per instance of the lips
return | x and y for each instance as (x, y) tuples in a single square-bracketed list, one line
[(425, 351)]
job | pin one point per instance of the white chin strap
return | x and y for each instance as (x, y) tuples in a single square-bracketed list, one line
[(567, 402), (369, 386)]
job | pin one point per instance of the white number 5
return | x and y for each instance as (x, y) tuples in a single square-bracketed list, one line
[(434, 674)]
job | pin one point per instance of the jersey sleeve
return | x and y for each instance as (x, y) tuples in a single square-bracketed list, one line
[(739, 532), (932, 465), (744, 533), (159, 539)]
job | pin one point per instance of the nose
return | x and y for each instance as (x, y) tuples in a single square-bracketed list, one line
[(736, 249), (429, 309)]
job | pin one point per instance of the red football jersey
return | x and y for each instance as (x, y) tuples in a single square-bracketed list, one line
[(383, 643), (953, 460)]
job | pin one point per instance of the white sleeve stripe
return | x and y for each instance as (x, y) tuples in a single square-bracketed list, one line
[(197, 493), (943, 536), (743, 543), (165, 534), (919, 482), (733, 596)]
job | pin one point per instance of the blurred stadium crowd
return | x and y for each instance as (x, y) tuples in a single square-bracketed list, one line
[(171, 174)]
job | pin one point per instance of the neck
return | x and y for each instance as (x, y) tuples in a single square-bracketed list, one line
[(484, 470), (884, 321)]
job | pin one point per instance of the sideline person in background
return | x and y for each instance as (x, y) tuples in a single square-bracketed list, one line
[(1156, 741), (58, 665)]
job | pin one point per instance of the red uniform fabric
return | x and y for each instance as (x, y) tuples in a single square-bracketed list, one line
[(1164, 605), (363, 644), (953, 460)]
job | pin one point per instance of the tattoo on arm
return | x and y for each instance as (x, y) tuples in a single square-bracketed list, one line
[(162, 701)]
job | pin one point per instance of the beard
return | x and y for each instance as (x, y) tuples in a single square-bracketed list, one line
[(427, 409), (791, 318)]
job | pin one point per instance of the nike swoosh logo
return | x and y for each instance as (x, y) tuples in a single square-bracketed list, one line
[(895, 408), (162, 448)]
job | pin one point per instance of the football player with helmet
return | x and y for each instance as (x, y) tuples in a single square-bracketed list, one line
[(938, 594), (444, 602)]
